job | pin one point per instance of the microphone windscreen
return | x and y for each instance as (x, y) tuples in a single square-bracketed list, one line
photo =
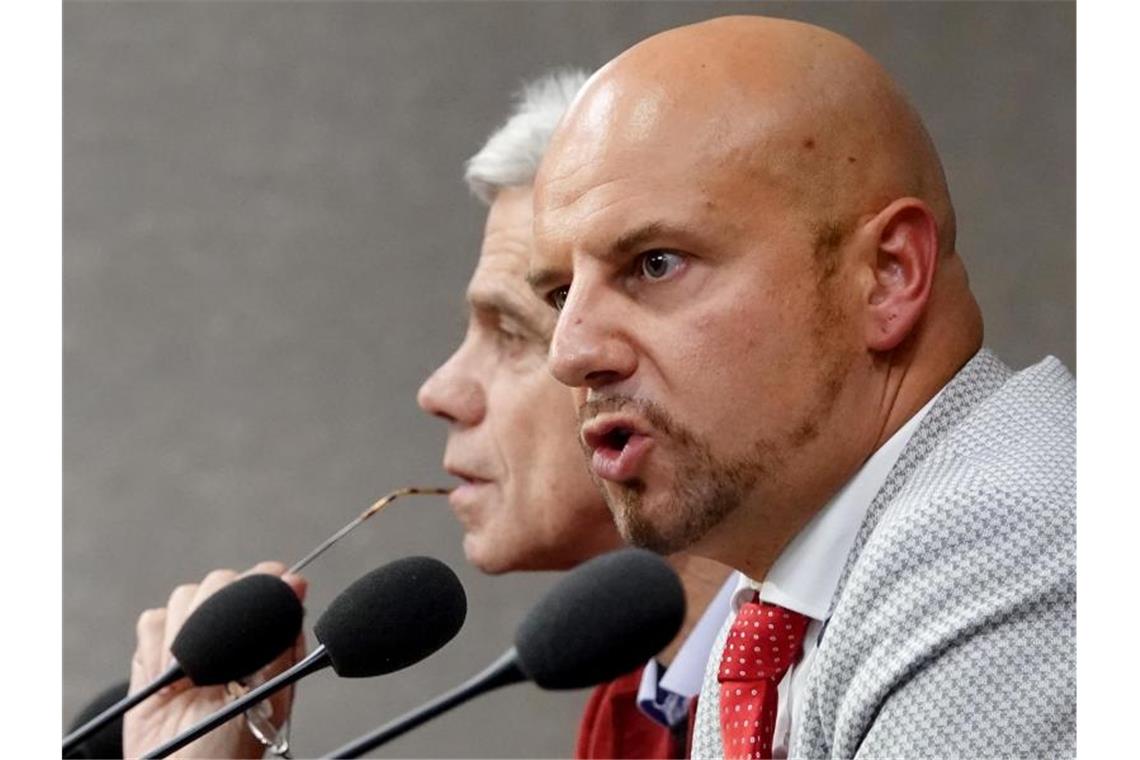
[(601, 620), (238, 630), (107, 741), (392, 617)]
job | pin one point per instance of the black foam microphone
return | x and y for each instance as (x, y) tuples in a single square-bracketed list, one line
[(599, 621), (235, 631), (108, 741), (389, 619)]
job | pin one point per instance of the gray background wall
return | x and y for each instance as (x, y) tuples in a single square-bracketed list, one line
[(266, 241)]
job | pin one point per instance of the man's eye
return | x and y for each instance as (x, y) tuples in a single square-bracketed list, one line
[(557, 297), (508, 336), (658, 265)]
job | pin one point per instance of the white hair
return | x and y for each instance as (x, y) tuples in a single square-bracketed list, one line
[(511, 155)]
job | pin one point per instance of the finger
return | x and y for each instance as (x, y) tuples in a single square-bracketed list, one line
[(177, 608), (269, 568), (285, 660), (147, 660), (282, 701), (213, 581), (298, 583)]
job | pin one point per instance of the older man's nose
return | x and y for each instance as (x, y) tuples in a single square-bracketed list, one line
[(589, 351), (452, 395)]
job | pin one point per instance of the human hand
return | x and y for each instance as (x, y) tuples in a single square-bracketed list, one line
[(182, 705)]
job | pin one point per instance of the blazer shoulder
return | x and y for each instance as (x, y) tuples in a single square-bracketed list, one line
[(971, 564), (1023, 436)]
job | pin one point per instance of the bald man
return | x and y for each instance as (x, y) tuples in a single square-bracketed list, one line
[(778, 363)]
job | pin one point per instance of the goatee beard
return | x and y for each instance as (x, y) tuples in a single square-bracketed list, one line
[(704, 491)]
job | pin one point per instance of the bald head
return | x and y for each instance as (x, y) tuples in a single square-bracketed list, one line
[(802, 109), (747, 231)]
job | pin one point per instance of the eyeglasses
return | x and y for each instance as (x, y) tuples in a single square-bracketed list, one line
[(379, 505), (259, 717)]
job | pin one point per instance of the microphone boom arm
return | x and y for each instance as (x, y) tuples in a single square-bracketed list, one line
[(502, 672), (315, 661), (76, 737)]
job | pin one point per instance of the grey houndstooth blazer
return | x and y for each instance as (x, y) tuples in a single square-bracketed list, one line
[(953, 629)]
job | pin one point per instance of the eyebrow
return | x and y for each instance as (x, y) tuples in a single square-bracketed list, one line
[(505, 305), (634, 239), (542, 279)]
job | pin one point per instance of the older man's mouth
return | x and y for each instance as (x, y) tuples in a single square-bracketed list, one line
[(618, 446), (470, 484)]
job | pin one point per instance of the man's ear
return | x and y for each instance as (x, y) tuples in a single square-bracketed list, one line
[(906, 259)]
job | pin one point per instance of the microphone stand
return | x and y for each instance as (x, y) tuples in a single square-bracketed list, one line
[(76, 737), (315, 661), (502, 672)]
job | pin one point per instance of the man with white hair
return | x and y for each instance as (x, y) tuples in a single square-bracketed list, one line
[(526, 500)]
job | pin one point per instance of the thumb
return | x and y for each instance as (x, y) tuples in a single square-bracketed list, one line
[(298, 583)]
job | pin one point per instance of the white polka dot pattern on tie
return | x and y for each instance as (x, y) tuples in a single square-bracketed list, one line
[(748, 685)]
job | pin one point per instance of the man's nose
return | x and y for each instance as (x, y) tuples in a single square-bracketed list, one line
[(452, 394), (590, 348)]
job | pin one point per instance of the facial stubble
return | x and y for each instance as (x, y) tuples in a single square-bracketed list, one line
[(703, 493), (704, 490)]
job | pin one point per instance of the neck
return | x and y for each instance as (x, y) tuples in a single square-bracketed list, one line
[(941, 344), (902, 381), (701, 579)]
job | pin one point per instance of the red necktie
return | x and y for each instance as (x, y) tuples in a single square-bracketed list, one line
[(765, 640)]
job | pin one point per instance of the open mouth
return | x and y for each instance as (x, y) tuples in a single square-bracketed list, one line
[(618, 448), (609, 437), (617, 438)]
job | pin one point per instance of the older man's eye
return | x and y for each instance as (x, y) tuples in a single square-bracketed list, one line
[(514, 345), (557, 297), (659, 265), (508, 336)]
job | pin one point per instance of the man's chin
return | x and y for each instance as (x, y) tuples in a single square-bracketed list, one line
[(663, 521), (497, 555), (642, 523), (483, 556)]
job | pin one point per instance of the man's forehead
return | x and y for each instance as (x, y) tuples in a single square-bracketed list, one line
[(507, 242), (499, 272), (628, 159), (499, 285), (594, 173), (613, 212)]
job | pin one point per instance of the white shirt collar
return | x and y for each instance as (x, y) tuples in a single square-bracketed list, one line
[(805, 575), (665, 699), (803, 578)]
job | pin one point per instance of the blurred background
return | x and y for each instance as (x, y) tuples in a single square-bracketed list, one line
[(266, 241)]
